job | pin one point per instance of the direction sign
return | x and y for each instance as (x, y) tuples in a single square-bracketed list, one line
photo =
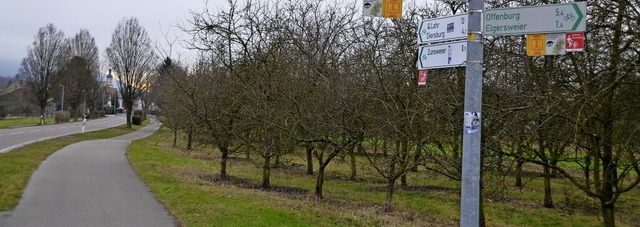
[(442, 55), (556, 18), (443, 28)]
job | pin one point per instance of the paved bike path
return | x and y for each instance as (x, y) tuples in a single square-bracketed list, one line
[(89, 183)]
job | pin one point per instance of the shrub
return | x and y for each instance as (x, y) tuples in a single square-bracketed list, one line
[(139, 113), (62, 117), (109, 109), (102, 113), (3, 112), (136, 120)]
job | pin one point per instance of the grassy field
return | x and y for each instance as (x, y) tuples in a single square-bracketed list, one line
[(20, 122), (17, 166), (186, 183)]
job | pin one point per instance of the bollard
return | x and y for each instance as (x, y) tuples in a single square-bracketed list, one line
[(84, 122)]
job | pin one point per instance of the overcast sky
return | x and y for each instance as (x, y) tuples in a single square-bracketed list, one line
[(21, 19)]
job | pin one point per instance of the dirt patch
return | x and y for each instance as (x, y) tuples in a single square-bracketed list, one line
[(293, 192), (424, 188)]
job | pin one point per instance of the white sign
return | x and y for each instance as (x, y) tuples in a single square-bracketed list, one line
[(556, 44), (472, 122), (443, 28), (372, 8), (557, 18), (442, 55)]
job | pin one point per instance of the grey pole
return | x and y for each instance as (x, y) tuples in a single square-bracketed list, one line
[(470, 193), (62, 103)]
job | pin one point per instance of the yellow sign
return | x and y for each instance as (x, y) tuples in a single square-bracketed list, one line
[(392, 8), (536, 44)]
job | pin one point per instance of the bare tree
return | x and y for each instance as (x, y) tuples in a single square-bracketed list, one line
[(132, 57), (321, 33), (41, 68), (82, 74)]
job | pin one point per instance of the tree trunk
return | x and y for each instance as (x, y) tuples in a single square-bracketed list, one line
[(309, 149), (223, 162), (404, 149), (587, 172), (608, 214), (42, 110), (266, 171), (128, 117), (190, 140), (548, 200), (518, 173), (352, 155), (416, 157), (384, 148), (175, 138), (390, 186), (320, 181), (391, 181)]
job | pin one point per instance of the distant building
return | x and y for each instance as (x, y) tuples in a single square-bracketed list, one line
[(109, 90), (15, 99)]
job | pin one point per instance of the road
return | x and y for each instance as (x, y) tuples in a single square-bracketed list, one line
[(89, 183), (13, 138)]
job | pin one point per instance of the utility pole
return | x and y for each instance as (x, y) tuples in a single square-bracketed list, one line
[(471, 157), (62, 99)]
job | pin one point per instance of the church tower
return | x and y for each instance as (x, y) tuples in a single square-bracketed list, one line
[(109, 79)]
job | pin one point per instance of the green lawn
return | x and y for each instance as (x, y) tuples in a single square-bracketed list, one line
[(185, 183), (17, 166), (20, 122)]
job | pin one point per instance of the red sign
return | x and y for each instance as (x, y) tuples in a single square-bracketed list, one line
[(422, 77), (575, 41)]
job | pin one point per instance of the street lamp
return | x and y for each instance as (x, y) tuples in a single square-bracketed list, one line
[(62, 103)]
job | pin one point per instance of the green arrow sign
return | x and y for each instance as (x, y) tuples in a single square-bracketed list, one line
[(580, 16), (556, 18)]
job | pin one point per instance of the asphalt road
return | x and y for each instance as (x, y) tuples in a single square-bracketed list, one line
[(90, 183), (13, 138)]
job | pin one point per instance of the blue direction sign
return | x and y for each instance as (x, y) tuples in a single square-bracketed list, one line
[(556, 18)]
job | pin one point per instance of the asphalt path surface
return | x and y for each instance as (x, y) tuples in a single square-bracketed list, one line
[(89, 183), (14, 138)]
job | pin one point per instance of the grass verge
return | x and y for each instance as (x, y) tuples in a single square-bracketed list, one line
[(17, 166), (187, 183), (21, 122)]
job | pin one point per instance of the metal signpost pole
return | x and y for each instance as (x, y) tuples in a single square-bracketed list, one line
[(470, 193)]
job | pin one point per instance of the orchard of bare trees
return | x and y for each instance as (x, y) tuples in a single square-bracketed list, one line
[(279, 77)]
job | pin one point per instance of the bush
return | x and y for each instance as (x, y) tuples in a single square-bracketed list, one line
[(139, 113), (62, 117), (109, 109), (102, 113), (136, 120), (3, 112)]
